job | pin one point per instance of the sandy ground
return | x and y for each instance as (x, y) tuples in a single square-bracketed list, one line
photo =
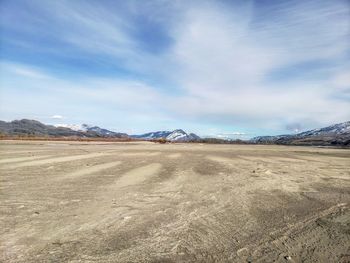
[(145, 202)]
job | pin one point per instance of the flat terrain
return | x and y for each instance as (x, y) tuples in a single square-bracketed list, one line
[(145, 202)]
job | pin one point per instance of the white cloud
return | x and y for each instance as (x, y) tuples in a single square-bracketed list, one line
[(219, 68), (57, 117), (227, 63), (342, 80), (107, 102)]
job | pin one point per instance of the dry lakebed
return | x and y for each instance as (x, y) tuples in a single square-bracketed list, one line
[(147, 202)]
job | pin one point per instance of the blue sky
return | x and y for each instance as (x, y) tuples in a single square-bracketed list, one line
[(227, 68)]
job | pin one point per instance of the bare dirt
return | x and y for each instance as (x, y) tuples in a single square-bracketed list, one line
[(145, 202)]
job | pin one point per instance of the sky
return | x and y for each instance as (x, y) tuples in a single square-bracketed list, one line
[(217, 68)]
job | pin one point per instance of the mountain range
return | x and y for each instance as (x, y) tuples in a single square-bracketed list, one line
[(27, 127), (93, 130), (35, 128), (176, 135), (334, 135)]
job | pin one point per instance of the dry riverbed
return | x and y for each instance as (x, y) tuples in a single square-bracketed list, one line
[(145, 202)]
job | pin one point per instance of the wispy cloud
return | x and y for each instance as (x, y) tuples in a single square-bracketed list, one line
[(211, 63), (227, 58), (128, 104), (24, 70)]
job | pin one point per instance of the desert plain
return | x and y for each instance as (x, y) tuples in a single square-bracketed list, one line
[(147, 202)]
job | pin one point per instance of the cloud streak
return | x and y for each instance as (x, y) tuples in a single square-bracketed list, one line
[(227, 64), (57, 117)]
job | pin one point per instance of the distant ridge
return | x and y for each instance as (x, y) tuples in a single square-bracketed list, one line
[(94, 130), (334, 135), (174, 136), (27, 127)]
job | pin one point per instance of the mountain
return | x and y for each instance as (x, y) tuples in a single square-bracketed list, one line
[(103, 132), (334, 135), (35, 128), (73, 127), (176, 135), (180, 135), (152, 135), (93, 129), (337, 129)]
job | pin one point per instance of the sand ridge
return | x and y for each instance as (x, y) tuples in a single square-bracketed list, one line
[(22, 159), (57, 160), (138, 175), (92, 169)]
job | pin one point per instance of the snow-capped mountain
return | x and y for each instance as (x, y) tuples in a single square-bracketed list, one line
[(337, 129), (94, 130), (268, 138), (176, 135), (33, 127), (102, 132), (338, 134), (73, 127), (152, 135)]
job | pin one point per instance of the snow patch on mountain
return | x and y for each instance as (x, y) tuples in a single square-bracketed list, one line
[(74, 127), (176, 135), (92, 129), (334, 134)]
